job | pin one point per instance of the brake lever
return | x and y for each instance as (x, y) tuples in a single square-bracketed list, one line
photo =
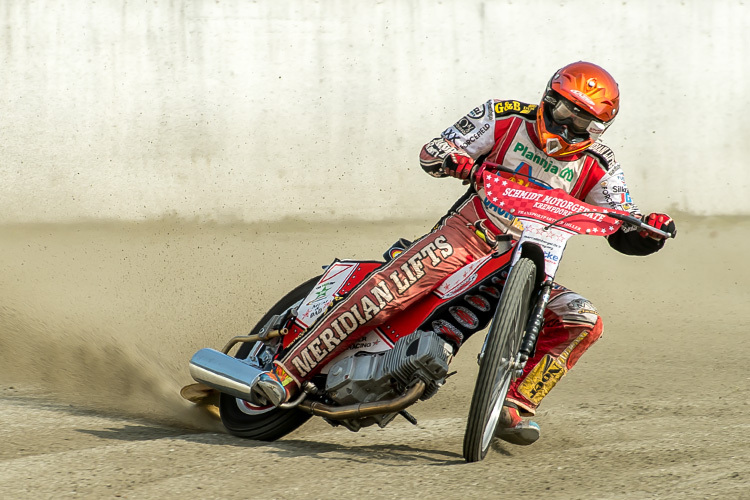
[(634, 221)]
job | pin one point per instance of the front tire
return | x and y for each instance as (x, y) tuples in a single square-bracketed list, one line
[(267, 424), (499, 354)]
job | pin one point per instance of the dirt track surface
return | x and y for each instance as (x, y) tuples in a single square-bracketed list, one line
[(97, 322)]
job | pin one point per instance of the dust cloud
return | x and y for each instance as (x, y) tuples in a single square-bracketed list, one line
[(105, 315)]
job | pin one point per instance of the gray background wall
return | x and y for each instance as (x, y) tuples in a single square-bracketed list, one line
[(258, 110)]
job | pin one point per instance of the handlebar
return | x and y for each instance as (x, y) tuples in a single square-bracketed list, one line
[(629, 219)]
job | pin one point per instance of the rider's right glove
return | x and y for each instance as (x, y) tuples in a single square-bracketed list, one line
[(458, 165), (659, 221)]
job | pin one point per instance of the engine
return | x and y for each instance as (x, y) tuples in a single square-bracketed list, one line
[(368, 377)]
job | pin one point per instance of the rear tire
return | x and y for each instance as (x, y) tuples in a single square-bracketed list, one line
[(274, 423), (500, 350)]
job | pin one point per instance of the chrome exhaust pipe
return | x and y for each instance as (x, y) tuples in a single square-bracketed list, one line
[(235, 377), (224, 373)]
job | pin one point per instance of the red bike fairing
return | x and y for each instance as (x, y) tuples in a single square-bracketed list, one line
[(389, 290)]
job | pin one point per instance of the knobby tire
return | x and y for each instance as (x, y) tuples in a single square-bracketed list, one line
[(501, 347)]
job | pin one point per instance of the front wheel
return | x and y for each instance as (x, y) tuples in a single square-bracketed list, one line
[(498, 359), (244, 420)]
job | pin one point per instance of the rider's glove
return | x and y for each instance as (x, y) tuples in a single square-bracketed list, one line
[(458, 165), (476, 175), (659, 221)]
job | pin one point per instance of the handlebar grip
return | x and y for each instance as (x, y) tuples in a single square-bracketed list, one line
[(634, 221)]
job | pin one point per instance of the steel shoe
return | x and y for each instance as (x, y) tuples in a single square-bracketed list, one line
[(515, 430)]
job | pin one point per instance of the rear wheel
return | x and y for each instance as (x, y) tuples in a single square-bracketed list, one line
[(497, 364), (245, 420)]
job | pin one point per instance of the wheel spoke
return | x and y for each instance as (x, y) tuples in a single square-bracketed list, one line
[(498, 365)]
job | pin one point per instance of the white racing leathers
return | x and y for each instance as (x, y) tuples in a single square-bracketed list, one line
[(503, 132)]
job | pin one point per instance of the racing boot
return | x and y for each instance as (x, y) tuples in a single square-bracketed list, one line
[(514, 429), (273, 387)]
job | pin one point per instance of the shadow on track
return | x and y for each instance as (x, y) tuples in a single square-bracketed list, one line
[(384, 454), (134, 432)]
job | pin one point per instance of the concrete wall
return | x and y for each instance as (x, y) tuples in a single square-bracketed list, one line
[(255, 110)]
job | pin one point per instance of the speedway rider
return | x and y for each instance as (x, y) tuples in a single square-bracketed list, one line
[(555, 144)]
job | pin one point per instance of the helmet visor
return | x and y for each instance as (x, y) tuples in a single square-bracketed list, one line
[(573, 123)]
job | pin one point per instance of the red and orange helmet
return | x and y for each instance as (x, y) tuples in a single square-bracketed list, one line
[(580, 102)]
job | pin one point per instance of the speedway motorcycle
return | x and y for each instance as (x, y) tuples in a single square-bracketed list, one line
[(392, 367)]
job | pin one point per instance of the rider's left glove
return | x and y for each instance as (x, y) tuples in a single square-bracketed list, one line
[(458, 165), (659, 221)]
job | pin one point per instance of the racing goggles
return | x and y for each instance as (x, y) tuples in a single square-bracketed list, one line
[(580, 123)]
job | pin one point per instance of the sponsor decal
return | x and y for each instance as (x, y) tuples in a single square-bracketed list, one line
[(562, 209), (495, 204), (395, 252), (543, 377), (373, 341), (283, 376), (527, 177), (438, 148), (479, 133), (323, 294), (583, 97), (365, 345), (460, 281), (582, 306), (552, 204), (552, 250), (522, 194), (345, 323), (551, 257), (617, 195), (450, 134), (603, 152), (308, 355), (506, 107), (464, 126), (464, 317), (565, 173), (478, 112), (413, 270)]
